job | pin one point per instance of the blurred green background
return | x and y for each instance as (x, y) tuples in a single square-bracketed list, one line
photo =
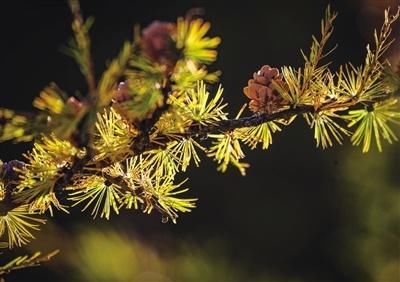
[(300, 215)]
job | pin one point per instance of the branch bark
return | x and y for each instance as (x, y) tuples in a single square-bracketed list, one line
[(142, 143)]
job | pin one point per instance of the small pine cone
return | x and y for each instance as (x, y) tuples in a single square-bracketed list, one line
[(264, 97), (75, 105), (9, 169), (157, 43), (122, 93)]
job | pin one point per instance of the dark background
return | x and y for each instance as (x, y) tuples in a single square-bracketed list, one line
[(287, 215)]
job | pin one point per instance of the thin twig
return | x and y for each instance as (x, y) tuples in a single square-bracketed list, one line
[(78, 22), (35, 260)]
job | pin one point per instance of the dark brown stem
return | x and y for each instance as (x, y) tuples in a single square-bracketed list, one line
[(254, 120), (142, 141), (67, 174), (223, 126)]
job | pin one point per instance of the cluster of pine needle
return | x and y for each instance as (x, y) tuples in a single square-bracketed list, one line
[(145, 120)]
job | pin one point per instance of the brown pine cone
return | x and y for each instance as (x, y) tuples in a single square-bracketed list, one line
[(264, 97), (122, 93), (75, 105), (8, 169), (157, 42)]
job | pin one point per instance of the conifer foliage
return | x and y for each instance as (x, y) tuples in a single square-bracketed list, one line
[(145, 120)]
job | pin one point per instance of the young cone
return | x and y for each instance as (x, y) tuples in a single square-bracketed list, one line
[(264, 97)]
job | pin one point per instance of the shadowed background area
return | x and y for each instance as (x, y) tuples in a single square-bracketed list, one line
[(301, 213)]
